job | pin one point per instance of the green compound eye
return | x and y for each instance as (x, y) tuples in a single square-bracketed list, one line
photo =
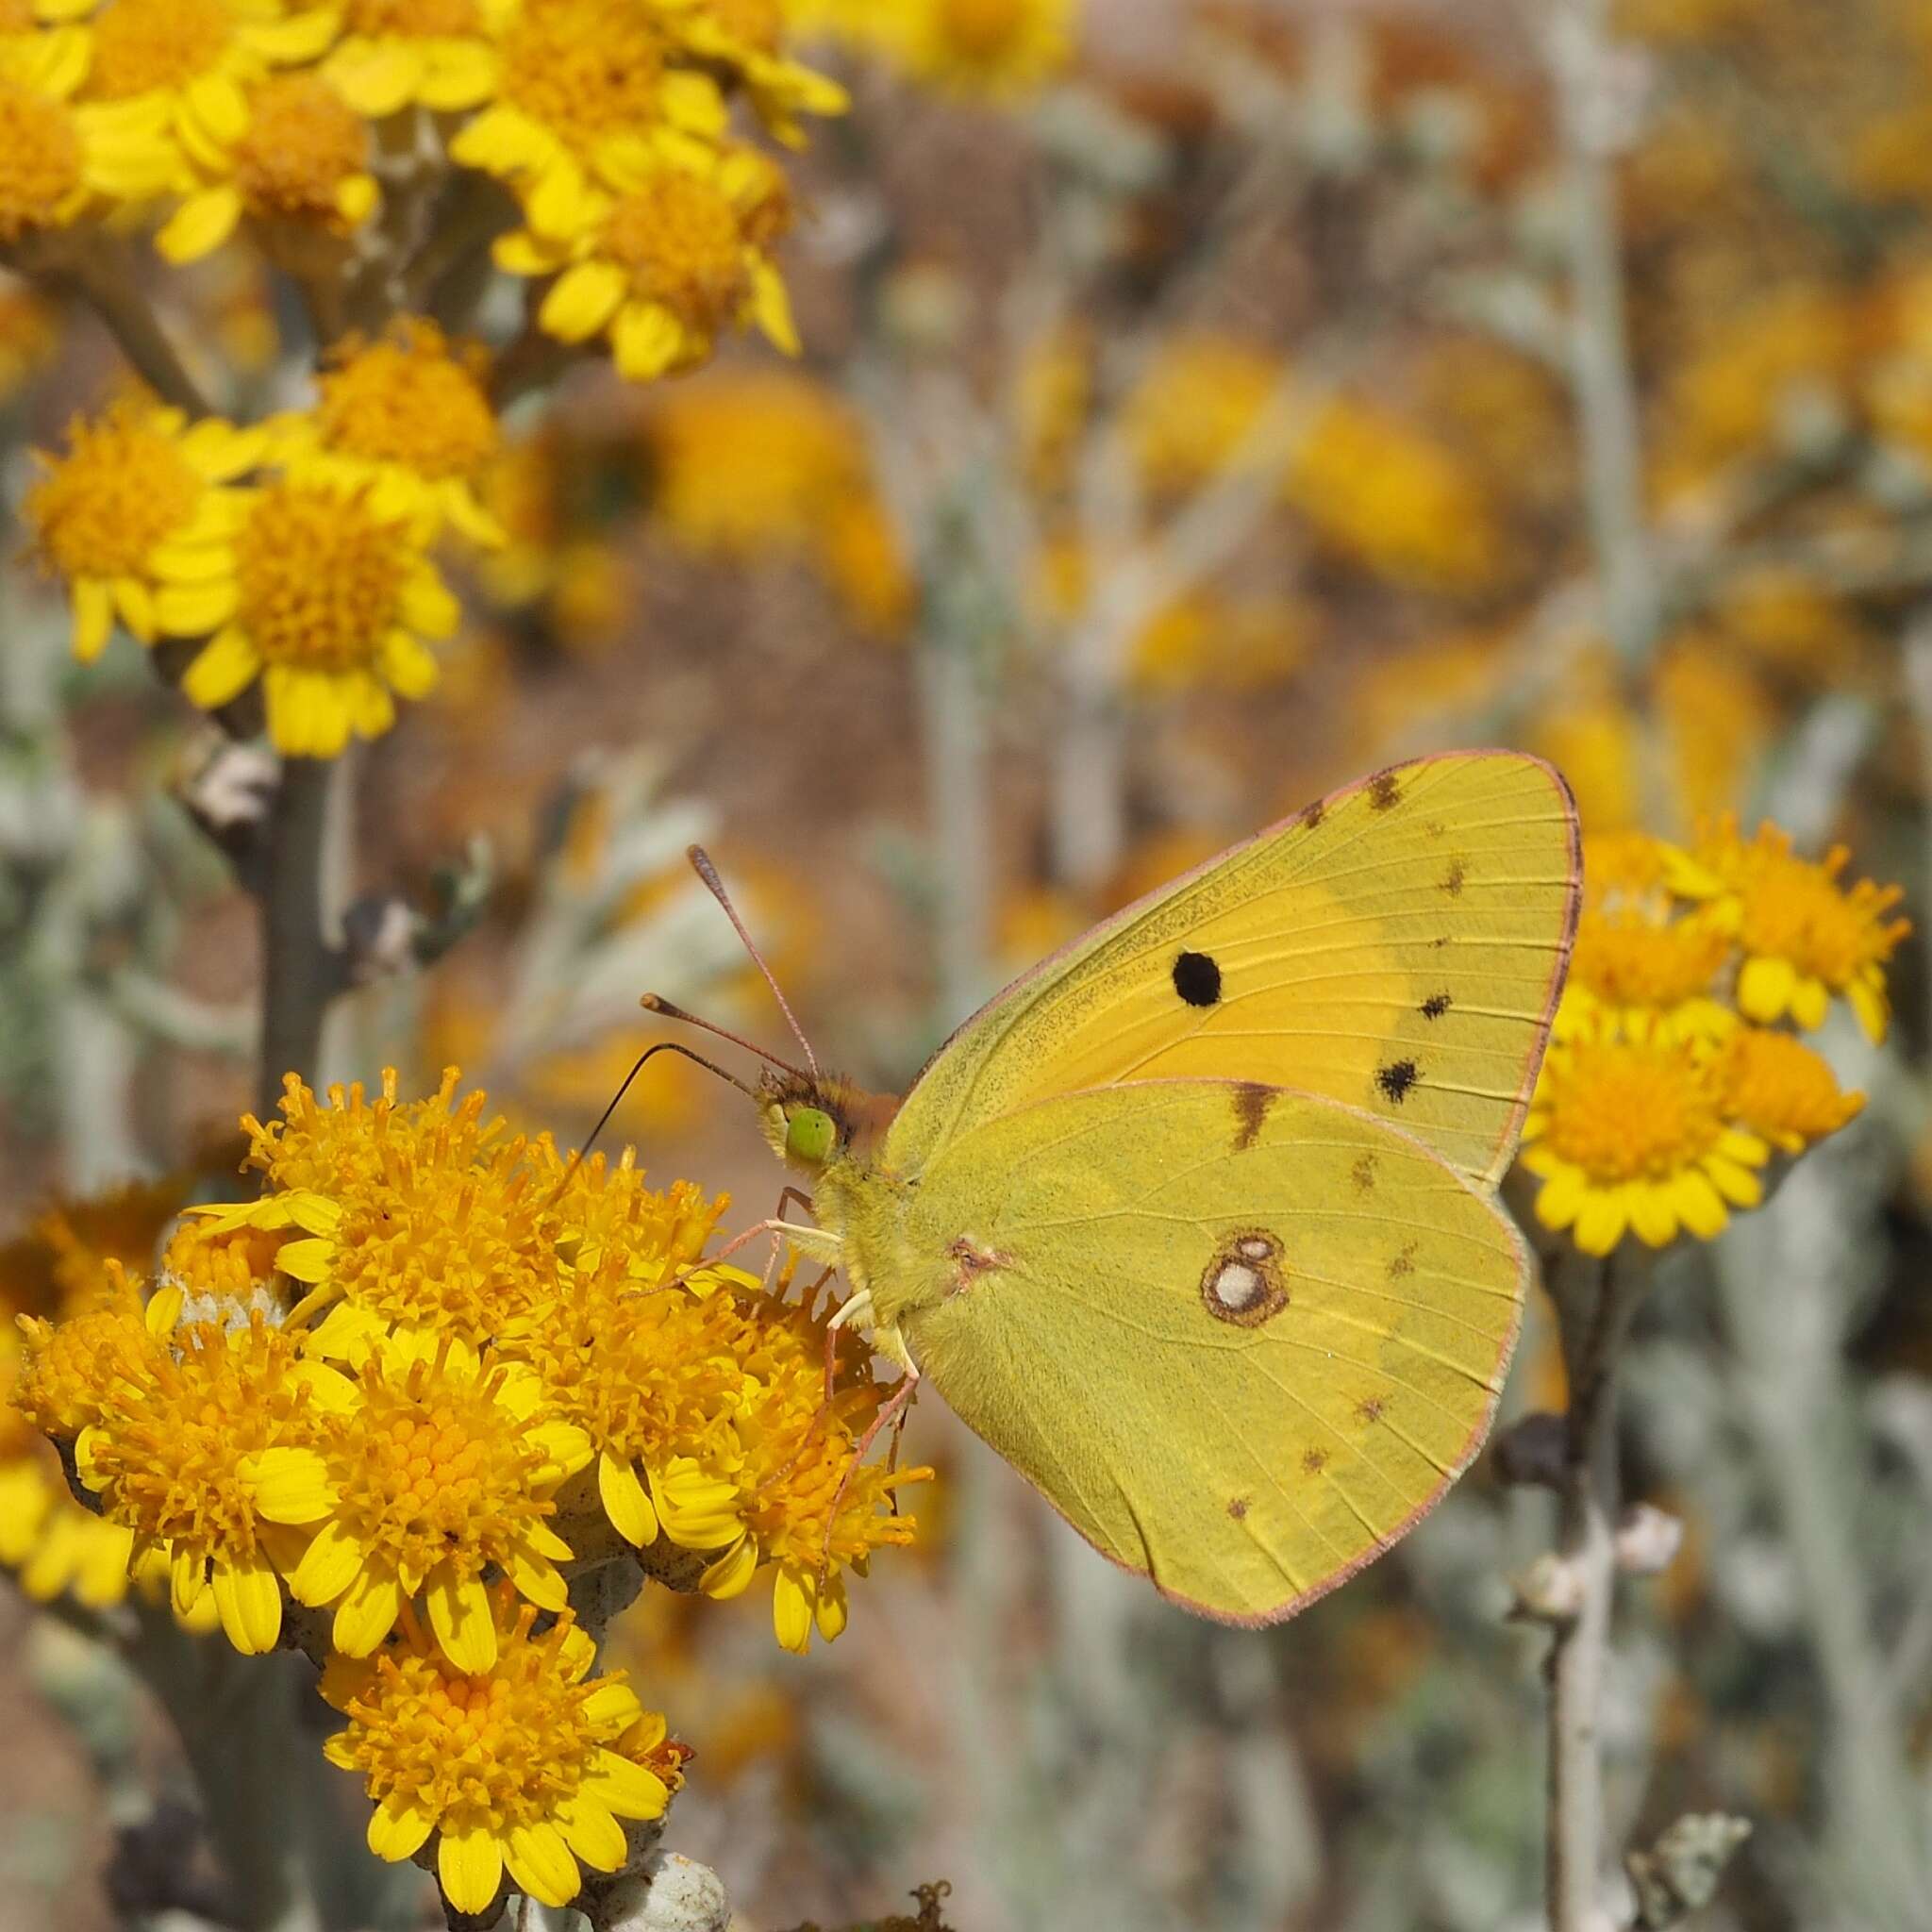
[(810, 1135)]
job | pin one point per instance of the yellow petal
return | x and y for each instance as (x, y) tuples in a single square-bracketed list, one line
[(408, 665), (831, 1613), (187, 1576), (1765, 988), (193, 610), (611, 1706), (328, 1567), (459, 1615), (1561, 1198), (199, 226), (93, 617), (582, 300), (368, 1613), (593, 1834), (429, 608), (1811, 1003), (647, 339), (729, 1575), (290, 1485), (249, 1598), (630, 1790), (1699, 1206), (470, 1864), (226, 666), (308, 1260), (624, 1500), (541, 1865), (398, 1827), (1601, 1221), (792, 1608), (535, 1576), (771, 304)]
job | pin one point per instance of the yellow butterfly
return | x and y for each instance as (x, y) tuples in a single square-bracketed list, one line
[(1194, 1223)]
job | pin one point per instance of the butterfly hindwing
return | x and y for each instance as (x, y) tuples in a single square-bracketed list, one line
[(1241, 1338), (1398, 948)]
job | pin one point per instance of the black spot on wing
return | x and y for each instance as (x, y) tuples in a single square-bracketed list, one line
[(1362, 1175), (1197, 978), (1385, 791), (1454, 879), (1312, 815), (1396, 1079), (1436, 1005)]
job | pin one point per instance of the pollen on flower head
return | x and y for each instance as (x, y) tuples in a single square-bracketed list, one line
[(584, 69), (529, 1765), (141, 46), (680, 243), (121, 486), (319, 578), (1628, 960)]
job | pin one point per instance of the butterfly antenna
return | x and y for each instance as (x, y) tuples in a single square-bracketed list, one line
[(576, 1160), (656, 1002), (701, 864)]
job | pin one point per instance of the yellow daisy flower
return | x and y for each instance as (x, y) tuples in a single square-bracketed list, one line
[(665, 266), (137, 494), (1633, 1133), (45, 44), (984, 50), (411, 410), (435, 1469), (526, 1766), (1194, 405), (585, 97), (1634, 966), (191, 63), (325, 592), (747, 36), (60, 160), (439, 53), (293, 157), (1806, 936), (1783, 1090), (169, 1446)]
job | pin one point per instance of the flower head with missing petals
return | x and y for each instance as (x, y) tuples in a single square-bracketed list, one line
[(981, 50), (527, 1765), (1783, 1090), (139, 499)]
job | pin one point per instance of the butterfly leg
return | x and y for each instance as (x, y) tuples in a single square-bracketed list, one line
[(890, 1410), (810, 1240), (786, 1196)]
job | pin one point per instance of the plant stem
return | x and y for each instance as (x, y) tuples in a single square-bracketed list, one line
[(106, 282), (1600, 347), (1594, 1301), (301, 965)]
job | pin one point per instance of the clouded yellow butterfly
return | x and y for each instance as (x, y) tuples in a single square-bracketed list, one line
[(1194, 1223)]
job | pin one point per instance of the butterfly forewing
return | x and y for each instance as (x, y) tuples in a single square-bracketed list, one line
[(1241, 1338), (1399, 947)]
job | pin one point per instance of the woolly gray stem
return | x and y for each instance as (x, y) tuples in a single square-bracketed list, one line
[(1593, 1300)]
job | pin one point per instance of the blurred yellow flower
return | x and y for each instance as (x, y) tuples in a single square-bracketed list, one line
[(1196, 405), (438, 52), (432, 1470), (747, 36), (525, 1766), (665, 265), (408, 410), (1783, 1090), (136, 500), (1805, 936), (295, 156), (60, 162), (585, 99), (1630, 1133), (1636, 969), (981, 50), (325, 592)]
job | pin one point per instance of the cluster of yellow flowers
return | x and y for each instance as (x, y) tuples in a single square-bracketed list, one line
[(393, 1408), (1675, 1078)]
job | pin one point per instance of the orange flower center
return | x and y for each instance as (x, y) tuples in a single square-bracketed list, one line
[(1630, 960), (584, 68), (433, 1469), (1798, 911), (1780, 1087), (680, 243), (101, 509), (40, 160), (320, 579), (304, 141), (144, 44), (408, 402), (1624, 1110)]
